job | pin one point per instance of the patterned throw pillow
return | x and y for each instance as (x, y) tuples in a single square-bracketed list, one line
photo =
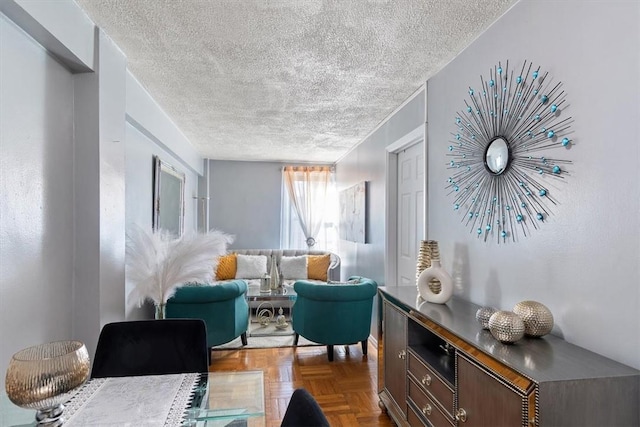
[(317, 266), (227, 266), (294, 267)]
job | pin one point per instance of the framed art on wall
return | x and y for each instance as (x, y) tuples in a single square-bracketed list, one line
[(353, 204)]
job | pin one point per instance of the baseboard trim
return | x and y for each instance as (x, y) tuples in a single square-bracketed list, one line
[(373, 340)]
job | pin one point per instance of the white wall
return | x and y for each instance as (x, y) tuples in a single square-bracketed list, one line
[(584, 262)]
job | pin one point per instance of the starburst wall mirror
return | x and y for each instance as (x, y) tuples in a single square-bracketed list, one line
[(507, 150)]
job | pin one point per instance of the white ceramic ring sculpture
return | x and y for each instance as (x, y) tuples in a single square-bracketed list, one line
[(435, 272)]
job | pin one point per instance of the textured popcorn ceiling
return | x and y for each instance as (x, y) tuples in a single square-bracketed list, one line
[(290, 80)]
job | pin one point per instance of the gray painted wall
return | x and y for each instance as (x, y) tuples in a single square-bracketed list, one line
[(98, 285), (139, 196), (36, 195), (367, 162), (245, 200), (63, 175), (584, 263)]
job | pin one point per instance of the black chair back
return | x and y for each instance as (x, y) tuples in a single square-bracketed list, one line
[(151, 347), (303, 411)]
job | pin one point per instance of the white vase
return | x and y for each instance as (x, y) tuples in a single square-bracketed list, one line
[(446, 284)]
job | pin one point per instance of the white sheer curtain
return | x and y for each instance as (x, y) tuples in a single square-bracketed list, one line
[(309, 208)]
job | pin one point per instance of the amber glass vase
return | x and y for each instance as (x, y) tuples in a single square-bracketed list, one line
[(45, 376)]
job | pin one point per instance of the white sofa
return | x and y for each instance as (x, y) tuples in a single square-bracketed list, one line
[(333, 273), (253, 284)]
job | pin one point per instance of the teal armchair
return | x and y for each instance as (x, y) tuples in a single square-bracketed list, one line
[(334, 314), (223, 308)]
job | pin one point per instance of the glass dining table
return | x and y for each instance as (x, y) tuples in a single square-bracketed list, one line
[(218, 399), (235, 398)]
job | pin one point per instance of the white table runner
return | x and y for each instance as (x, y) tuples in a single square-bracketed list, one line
[(149, 400)]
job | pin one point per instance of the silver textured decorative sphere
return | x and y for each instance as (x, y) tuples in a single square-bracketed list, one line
[(506, 326), (483, 314), (537, 318)]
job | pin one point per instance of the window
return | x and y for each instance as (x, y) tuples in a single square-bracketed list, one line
[(315, 199)]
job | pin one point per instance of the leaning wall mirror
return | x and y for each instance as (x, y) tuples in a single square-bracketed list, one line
[(501, 168), (168, 198)]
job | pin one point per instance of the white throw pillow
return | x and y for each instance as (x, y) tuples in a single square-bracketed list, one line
[(251, 266), (294, 267)]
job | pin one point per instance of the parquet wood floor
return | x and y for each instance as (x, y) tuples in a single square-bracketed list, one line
[(346, 388)]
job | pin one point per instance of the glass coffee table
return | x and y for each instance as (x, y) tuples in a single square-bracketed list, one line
[(269, 305)]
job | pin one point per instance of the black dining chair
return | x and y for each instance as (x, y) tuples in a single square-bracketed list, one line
[(303, 411), (151, 347)]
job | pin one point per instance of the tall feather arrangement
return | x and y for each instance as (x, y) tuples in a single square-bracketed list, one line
[(157, 264)]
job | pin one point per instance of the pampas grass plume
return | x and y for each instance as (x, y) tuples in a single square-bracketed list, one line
[(158, 264)]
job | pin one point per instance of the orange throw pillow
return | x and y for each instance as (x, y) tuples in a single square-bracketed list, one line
[(317, 266), (227, 266)]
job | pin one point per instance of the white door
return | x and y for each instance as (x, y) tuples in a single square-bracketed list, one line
[(410, 204)]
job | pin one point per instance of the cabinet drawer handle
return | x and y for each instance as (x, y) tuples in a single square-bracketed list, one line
[(426, 380), (461, 415), (402, 354), (426, 410)]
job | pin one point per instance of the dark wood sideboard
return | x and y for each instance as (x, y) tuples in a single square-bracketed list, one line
[(438, 367)]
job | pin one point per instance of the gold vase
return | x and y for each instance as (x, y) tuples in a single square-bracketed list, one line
[(428, 252)]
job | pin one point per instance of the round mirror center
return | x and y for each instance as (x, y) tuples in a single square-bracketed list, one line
[(497, 156)]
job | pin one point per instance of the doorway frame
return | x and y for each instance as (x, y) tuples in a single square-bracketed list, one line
[(391, 197)]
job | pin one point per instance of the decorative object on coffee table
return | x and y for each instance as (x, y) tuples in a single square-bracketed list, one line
[(45, 376), (157, 264), (537, 318), (265, 313), (428, 251), (446, 284), (506, 326), (483, 315), (281, 320), (264, 283), (274, 274)]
